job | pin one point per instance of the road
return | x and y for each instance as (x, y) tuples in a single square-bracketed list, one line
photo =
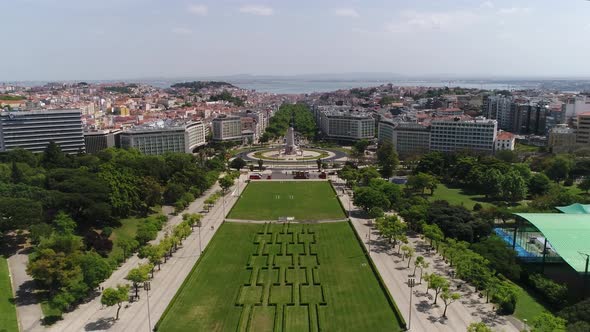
[(425, 316), (92, 316)]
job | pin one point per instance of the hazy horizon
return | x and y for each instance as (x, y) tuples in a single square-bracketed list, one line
[(70, 40)]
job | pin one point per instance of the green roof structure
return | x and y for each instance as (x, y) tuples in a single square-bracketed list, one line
[(569, 234), (575, 208)]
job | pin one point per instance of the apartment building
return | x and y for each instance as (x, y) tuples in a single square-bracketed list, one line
[(498, 108), (165, 136), (562, 139), (450, 135), (583, 129), (33, 130), (227, 128)]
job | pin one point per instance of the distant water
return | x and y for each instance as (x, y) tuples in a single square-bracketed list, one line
[(297, 86)]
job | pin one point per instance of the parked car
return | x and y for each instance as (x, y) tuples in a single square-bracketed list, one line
[(255, 176)]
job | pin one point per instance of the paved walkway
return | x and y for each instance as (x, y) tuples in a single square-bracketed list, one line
[(92, 316), (28, 309), (424, 315)]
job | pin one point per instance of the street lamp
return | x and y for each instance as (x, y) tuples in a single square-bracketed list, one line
[(147, 286), (411, 284)]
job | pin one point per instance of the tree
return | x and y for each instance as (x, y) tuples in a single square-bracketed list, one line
[(433, 233), (437, 283), (128, 246), (260, 164), (368, 198), (539, 184), (502, 258), (422, 264), (478, 327), (585, 184), (408, 252), (559, 168), (514, 186), (366, 174), (95, 269), (319, 163), (360, 147), (238, 163), (391, 228), (112, 296), (387, 159), (421, 182), (546, 322), (225, 183), (448, 298), (139, 275), (376, 212)]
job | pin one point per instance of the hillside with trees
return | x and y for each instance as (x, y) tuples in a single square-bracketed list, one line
[(198, 85)]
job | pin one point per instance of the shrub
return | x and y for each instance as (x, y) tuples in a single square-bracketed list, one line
[(554, 293)]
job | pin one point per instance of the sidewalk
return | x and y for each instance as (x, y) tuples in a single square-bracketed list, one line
[(425, 316), (92, 316), (28, 308)]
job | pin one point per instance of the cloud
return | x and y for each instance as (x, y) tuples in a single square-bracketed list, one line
[(182, 31), (514, 11), (346, 12), (412, 20), (257, 10), (487, 4), (198, 9)]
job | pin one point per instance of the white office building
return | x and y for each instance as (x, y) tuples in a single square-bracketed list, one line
[(450, 135), (165, 136), (33, 130)]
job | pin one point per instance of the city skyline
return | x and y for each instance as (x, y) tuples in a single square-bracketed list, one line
[(128, 39)]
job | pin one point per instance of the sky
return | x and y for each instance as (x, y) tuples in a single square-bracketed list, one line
[(126, 39)]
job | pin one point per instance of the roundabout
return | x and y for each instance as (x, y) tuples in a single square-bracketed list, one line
[(275, 155)]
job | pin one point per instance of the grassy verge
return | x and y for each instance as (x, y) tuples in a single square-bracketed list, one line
[(127, 231), (527, 306), (8, 321)]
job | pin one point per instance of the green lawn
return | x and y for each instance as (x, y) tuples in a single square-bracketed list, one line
[(457, 197), (281, 277), (269, 200), (8, 322), (527, 307), (127, 231)]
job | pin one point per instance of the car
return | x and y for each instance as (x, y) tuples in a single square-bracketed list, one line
[(255, 176)]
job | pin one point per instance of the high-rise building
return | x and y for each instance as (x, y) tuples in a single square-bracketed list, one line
[(165, 136), (348, 125), (529, 119), (33, 130), (227, 128), (583, 129), (449, 135), (498, 108)]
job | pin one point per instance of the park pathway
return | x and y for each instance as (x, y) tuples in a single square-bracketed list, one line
[(28, 309), (424, 316), (92, 316)]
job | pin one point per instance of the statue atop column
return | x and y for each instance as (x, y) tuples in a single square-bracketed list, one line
[(290, 147)]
